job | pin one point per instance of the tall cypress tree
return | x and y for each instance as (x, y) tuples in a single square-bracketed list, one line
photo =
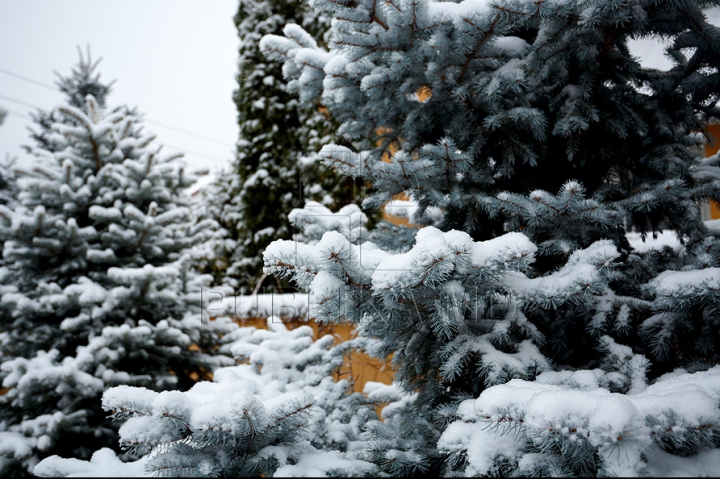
[(275, 168)]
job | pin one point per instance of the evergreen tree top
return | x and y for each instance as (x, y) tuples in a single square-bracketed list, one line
[(77, 85), (83, 81)]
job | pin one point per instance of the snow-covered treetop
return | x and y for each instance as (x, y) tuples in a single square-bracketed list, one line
[(83, 81)]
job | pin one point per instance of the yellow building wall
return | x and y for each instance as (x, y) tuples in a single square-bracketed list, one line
[(423, 94), (711, 148), (359, 368)]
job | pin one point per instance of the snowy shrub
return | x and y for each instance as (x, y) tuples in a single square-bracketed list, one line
[(278, 413)]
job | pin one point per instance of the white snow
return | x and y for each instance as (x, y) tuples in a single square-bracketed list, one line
[(324, 464), (664, 238), (173, 403), (114, 398), (705, 464), (509, 44), (336, 64), (381, 392), (316, 219), (401, 270), (683, 283), (580, 271), (456, 12), (103, 463), (258, 176), (16, 445), (481, 448), (573, 405)]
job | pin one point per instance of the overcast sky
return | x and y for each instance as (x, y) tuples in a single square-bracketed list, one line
[(173, 59)]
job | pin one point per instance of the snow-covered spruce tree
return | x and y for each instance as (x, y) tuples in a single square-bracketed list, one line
[(8, 187), (95, 288), (280, 412), (8, 183), (515, 89), (514, 115), (213, 256), (275, 167)]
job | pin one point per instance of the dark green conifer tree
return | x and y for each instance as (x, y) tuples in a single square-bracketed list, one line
[(275, 168)]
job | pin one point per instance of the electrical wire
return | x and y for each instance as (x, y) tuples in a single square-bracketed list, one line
[(19, 102), (181, 149), (14, 113), (28, 79), (180, 130), (148, 120)]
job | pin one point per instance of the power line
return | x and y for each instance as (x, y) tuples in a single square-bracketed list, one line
[(185, 150), (180, 130), (24, 103), (28, 79), (149, 120), (19, 102), (14, 113)]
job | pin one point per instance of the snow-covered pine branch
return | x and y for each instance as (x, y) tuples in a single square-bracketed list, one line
[(279, 412)]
